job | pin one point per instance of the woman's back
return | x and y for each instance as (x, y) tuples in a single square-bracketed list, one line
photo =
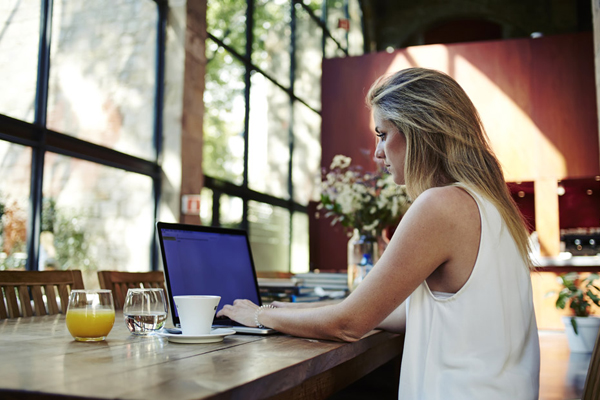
[(480, 342)]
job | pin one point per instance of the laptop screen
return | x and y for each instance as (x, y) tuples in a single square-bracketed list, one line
[(201, 260)]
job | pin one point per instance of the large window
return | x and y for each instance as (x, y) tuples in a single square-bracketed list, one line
[(79, 134), (262, 117)]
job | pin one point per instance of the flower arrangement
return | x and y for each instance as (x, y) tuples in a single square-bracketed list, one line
[(355, 199)]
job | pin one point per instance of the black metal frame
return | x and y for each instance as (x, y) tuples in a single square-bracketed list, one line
[(41, 139)]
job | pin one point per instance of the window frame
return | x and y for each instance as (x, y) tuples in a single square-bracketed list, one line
[(223, 187), (40, 139)]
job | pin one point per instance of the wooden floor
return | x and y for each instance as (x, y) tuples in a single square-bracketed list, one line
[(562, 373)]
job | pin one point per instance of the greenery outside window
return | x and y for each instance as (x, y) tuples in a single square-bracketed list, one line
[(262, 117), (79, 134)]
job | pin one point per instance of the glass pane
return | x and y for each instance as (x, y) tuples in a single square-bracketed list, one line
[(332, 50), (15, 170), (336, 13), (309, 54), (314, 5), (19, 40), (223, 151), (231, 210), (269, 148), (95, 218), (272, 32), (206, 206), (355, 37), (300, 254), (102, 78), (307, 154), (269, 229), (227, 21)]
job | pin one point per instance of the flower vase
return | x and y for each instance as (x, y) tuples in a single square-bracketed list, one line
[(363, 253)]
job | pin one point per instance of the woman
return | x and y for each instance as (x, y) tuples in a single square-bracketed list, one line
[(459, 257)]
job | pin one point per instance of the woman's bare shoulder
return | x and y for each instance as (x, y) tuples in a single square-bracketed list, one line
[(446, 199)]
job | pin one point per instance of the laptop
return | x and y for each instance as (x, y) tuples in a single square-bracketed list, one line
[(203, 260)]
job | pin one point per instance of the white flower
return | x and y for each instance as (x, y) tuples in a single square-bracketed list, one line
[(340, 161), (354, 199)]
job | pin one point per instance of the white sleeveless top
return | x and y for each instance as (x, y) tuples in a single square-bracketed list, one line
[(481, 342)]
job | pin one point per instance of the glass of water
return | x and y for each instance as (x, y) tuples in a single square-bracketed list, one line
[(145, 310)]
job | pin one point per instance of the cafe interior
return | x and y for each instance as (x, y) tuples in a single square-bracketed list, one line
[(226, 113)]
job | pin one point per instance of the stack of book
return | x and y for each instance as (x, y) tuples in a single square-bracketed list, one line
[(304, 287), (281, 289)]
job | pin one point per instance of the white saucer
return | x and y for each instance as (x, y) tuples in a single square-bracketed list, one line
[(216, 335)]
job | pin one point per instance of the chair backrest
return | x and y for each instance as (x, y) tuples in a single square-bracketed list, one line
[(20, 288), (591, 389), (119, 282)]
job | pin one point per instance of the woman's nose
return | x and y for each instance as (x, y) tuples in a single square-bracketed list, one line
[(379, 153)]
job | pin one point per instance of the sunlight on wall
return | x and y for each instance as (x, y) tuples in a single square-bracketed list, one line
[(512, 133)]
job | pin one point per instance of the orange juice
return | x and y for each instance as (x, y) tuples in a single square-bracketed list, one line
[(90, 323)]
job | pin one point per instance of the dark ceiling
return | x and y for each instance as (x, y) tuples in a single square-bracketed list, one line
[(401, 23)]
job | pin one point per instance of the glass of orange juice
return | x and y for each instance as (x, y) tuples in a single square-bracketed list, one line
[(90, 314)]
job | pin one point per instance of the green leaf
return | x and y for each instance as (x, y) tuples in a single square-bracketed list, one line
[(592, 277), (594, 298), (561, 301), (574, 325)]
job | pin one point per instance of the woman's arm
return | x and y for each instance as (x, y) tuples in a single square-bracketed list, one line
[(285, 304), (425, 239), (396, 321)]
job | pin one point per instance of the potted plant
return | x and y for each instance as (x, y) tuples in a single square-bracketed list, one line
[(579, 294)]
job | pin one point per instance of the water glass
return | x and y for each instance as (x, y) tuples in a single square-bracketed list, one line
[(90, 314), (145, 310)]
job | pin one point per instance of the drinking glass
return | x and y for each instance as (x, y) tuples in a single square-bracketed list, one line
[(145, 310), (90, 314)]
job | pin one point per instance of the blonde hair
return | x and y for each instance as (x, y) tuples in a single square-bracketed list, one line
[(445, 140)]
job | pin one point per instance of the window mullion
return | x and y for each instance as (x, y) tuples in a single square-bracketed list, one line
[(38, 152)]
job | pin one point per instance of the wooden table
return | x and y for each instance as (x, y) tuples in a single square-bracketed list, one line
[(39, 359)]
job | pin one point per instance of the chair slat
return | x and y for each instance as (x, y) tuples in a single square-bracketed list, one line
[(11, 302), (3, 311), (26, 309), (77, 278), (51, 300), (63, 293), (38, 300), (119, 293)]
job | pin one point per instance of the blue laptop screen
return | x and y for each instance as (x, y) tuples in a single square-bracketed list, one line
[(208, 263)]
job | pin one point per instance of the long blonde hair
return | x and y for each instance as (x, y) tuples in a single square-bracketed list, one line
[(445, 139)]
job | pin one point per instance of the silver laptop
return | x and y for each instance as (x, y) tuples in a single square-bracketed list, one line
[(202, 260)]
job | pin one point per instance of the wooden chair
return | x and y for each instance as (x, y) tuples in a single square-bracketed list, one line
[(41, 286), (119, 282), (591, 389)]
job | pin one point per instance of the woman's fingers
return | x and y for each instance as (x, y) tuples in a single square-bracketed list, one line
[(241, 311)]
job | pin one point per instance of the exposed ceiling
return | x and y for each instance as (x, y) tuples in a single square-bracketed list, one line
[(402, 23)]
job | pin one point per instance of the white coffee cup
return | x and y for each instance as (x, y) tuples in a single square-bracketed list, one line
[(196, 313)]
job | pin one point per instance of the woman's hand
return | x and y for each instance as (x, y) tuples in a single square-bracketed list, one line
[(241, 311)]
